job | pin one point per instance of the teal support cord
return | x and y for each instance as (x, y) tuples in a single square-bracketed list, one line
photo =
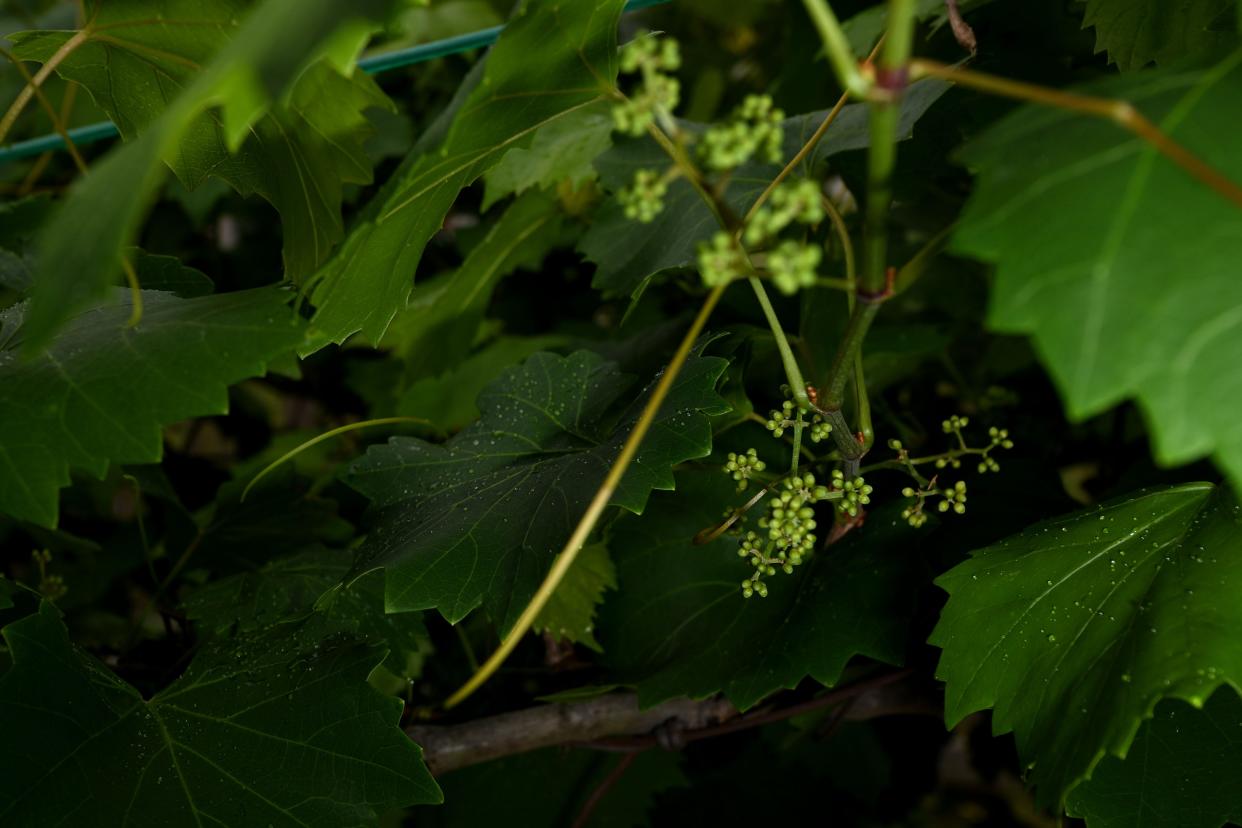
[(373, 65)]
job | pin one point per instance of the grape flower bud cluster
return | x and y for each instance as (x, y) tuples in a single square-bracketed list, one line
[(756, 128), (658, 92), (788, 535), (786, 418), (743, 467)]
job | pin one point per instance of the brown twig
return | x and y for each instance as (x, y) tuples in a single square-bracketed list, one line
[(447, 747), (616, 722), (962, 31)]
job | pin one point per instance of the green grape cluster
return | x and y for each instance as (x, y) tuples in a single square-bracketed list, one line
[(755, 129), (820, 430), (854, 494), (790, 532), (954, 498), (659, 92), (798, 201), (1000, 439), (954, 424), (649, 53), (744, 466), (779, 422), (720, 260), (643, 200), (792, 265), (914, 514)]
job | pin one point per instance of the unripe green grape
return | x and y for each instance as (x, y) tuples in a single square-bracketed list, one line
[(799, 201), (792, 265), (651, 52), (755, 128), (720, 261), (643, 200), (820, 430)]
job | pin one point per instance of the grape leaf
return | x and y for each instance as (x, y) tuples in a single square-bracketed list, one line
[(628, 253), (275, 44), (679, 626), (562, 150), (1086, 223), (450, 400), (262, 731), (277, 517), (442, 323), (480, 518), (19, 224), (1138, 32), (297, 156), (551, 60), (289, 588), (167, 273), (1073, 630), (1181, 772), (570, 612), (100, 393)]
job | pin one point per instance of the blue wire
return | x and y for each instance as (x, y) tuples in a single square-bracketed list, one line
[(375, 64)]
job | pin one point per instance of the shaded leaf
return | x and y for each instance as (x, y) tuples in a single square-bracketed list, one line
[(101, 392), (19, 225), (277, 518), (297, 156), (679, 626), (1138, 32), (1086, 224), (291, 588), (239, 68), (570, 612), (168, 274), (1073, 630), (551, 60), (1181, 771), (480, 518), (268, 730), (562, 150), (450, 400), (442, 323)]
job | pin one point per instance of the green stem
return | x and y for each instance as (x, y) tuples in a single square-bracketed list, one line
[(833, 395), (793, 373), (837, 45), (797, 442), (892, 74), (873, 284), (882, 157), (865, 427)]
